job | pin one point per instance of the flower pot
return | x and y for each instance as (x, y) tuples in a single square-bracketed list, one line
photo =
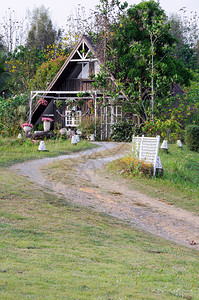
[(27, 129), (46, 125)]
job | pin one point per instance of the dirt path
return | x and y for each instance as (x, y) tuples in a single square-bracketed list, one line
[(104, 194)]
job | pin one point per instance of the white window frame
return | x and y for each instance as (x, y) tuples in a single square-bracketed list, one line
[(72, 119)]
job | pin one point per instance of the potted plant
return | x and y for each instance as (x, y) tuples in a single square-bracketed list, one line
[(46, 123), (27, 127)]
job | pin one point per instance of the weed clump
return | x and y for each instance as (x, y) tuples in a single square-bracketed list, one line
[(130, 165)]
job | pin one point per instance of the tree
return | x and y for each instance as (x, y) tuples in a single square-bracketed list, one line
[(22, 64), (46, 72), (13, 30), (143, 64), (185, 30), (42, 31)]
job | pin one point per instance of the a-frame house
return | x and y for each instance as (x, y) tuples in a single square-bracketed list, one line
[(64, 104)]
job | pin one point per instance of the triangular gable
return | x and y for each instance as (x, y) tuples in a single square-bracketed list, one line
[(76, 55)]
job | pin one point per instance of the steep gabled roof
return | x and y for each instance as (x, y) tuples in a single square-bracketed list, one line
[(84, 39)]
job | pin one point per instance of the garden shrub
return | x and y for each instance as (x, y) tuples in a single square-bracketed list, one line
[(169, 129), (192, 137), (123, 131), (13, 112)]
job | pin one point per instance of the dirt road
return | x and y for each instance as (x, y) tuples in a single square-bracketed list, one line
[(95, 189)]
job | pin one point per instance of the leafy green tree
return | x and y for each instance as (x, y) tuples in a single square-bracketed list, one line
[(140, 55), (42, 31), (22, 65)]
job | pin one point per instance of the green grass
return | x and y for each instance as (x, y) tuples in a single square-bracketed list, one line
[(50, 249), (13, 151), (180, 182)]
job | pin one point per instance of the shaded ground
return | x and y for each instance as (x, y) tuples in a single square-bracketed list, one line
[(87, 185)]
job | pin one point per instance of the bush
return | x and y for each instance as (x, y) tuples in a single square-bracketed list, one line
[(169, 129), (192, 137), (123, 131)]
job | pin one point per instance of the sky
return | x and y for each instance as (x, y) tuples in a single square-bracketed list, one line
[(60, 9)]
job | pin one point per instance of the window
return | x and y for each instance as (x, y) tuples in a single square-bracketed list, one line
[(72, 119)]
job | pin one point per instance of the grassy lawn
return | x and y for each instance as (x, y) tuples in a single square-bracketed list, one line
[(50, 249), (13, 151), (179, 184)]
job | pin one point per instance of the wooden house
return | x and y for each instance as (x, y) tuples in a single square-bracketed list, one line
[(71, 96)]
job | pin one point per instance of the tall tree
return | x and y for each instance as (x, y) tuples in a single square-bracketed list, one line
[(143, 63), (42, 32), (13, 30)]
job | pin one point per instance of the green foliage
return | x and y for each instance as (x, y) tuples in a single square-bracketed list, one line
[(13, 112), (192, 137), (173, 114), (123, 131), (22, 65), (25, 66), (140, 56), (169, 129), (46, 72)]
